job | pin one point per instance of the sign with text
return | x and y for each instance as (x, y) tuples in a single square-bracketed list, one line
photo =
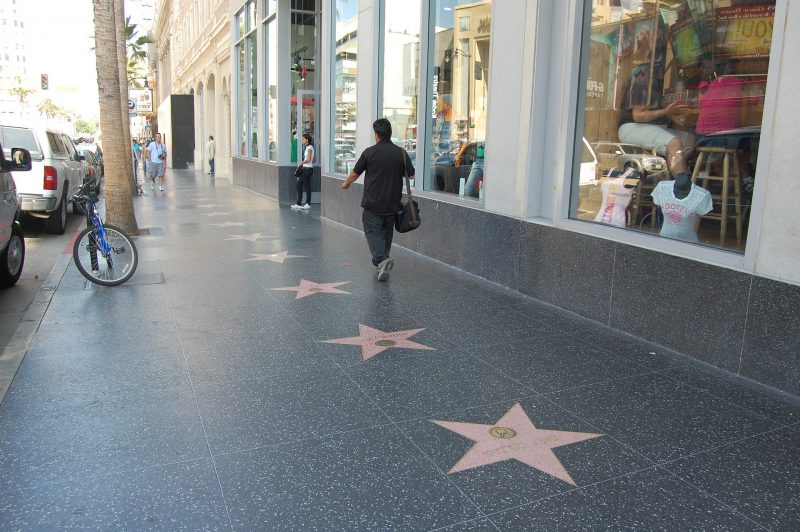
[(143, 99)]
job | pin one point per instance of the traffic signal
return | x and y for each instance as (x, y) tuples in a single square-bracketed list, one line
[(45, 82)]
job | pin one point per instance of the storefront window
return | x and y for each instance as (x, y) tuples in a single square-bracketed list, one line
[(253, 107), (272, 89), (247, 93), (459, 79), (401, 71), (242, 99), (345, 74), (674, 96), (305, 88)]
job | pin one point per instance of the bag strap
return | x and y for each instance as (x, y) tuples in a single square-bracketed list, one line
[(405, 167)]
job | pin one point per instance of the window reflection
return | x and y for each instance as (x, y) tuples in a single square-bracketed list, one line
[(673, 105), (345, 72), (401, 71), (459, 88)]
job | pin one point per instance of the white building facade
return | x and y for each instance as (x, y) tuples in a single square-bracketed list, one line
[(192, 56)]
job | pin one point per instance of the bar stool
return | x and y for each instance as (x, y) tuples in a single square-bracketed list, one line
[(730, 175), (642, 199)]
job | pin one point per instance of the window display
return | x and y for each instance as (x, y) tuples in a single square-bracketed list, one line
[(674, 94)]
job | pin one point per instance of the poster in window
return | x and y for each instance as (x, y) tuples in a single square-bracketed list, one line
[(744, 32)]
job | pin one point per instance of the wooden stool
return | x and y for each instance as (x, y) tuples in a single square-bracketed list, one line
[(730, 174)]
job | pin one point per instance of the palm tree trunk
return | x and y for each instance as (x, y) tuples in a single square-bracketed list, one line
[(119, 202), (122, 58)]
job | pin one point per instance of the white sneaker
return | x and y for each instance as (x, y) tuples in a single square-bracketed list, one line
[(306, 207), (296, 207), (384, 268), (161, 189), (152, 185)]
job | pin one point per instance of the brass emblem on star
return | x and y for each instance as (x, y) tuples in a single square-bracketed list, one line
[(315, 289), (502, 433), (385, 343)]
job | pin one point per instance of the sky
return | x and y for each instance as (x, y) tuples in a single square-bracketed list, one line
[(60, 44)]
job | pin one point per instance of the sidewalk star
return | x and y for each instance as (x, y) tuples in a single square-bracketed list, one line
[(515, 437), (308, 288), (274, 257), (251, 238), (374, 341)]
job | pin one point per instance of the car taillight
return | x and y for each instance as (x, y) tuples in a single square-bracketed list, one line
[(597, 172), (50, 178), (91, 172)]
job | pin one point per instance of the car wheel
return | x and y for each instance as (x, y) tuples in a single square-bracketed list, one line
[(12, 258), (57, 222)]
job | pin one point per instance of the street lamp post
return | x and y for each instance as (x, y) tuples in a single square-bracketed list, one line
[(456, 52)]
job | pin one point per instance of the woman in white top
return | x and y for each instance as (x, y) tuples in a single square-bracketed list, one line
[(304, 181)]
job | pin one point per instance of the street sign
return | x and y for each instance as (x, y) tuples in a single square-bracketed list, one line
[(131, 105)]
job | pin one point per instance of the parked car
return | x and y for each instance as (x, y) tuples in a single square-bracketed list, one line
[(84, 145), (45, 191), (93, 169), (623, 156), (12, 242)]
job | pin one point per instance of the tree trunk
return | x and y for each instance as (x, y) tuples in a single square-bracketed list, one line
[(122, 59), (119, 202)]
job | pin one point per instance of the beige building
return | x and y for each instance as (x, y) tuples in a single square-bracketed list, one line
[(192, 56)]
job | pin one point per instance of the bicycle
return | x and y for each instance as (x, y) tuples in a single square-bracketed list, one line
[(103, 253)]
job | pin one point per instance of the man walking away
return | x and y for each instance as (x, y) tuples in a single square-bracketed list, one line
[(157, 155), (211, 150), (386, 165)]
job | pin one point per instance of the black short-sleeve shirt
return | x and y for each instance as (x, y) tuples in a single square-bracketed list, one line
[(385, 164)]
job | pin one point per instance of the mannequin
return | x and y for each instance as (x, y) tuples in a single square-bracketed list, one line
[(682, 204), (617, 193)]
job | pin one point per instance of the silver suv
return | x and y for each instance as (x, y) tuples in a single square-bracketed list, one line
[(12, 242), (45, 191)]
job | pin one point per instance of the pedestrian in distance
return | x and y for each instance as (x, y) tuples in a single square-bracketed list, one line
[(157, 155), (211, 151), (306, 171), (386, 165)]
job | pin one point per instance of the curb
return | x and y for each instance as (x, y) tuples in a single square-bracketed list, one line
[(14, 353)]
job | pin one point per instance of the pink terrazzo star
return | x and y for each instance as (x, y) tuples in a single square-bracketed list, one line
[(309, 288), (515, 437), (374, 341)]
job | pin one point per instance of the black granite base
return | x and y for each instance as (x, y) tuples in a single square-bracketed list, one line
[(735, 321)]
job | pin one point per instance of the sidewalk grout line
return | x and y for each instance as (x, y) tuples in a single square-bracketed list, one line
[(14, 353)]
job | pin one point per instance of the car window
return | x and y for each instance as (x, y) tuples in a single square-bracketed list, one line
[(56, 146), (69, 147), (17, 137)]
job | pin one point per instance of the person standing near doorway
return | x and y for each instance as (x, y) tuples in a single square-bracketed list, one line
[(157, 155), (386, 165), (211, 151), (304, 181)]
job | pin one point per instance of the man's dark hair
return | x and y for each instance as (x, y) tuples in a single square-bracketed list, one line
[(383, 128), (211, 137), (308, 138)]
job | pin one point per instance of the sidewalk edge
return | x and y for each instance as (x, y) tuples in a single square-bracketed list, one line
[(14, 353)]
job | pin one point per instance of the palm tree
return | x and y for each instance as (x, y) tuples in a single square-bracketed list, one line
[(22, 93), (50, 109), (119, 201), (122, 61)]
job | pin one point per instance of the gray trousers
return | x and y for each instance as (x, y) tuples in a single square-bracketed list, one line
[(379, 230)]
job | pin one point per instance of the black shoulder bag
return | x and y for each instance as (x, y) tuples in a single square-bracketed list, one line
[(407, 218)]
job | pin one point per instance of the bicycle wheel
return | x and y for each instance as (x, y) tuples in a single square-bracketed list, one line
[(111, 270)]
